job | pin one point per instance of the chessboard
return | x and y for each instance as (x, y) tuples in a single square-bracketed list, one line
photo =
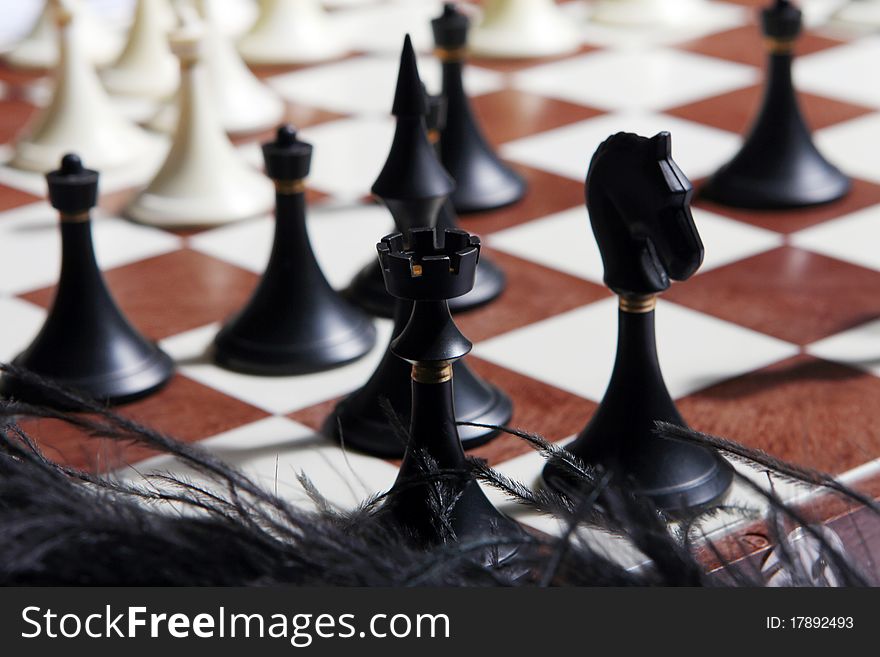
[(774, 343)]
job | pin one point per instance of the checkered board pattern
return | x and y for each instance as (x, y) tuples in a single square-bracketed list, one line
[(774, 343)]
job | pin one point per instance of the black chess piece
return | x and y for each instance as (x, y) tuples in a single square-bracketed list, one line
[(639, 206), (294, 323), (778, 166), (490, 280), (413, 185), (86, 343), (427, 267), (482, 180), (369, 287)]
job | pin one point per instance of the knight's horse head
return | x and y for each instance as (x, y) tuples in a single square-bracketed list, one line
[(639, 205)]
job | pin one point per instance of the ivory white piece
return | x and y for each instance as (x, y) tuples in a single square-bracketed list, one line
[(243, 102), (166, 15), (80, 117), (648, 12), (291, 32), (147, 68), (39, 49), (523, 29), (235, 17), (204, 180), (859, 12)]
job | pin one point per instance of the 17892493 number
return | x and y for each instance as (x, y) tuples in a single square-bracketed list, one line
[(810, 623)]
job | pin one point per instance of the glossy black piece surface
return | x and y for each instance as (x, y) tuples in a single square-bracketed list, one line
[(359, 420), (490, 280), (639, 206), (778, 165), (428, 267), (646, 235), (294, 322), (369, 286), (483, 181), (412, 183), (86, 343), (679, 477)]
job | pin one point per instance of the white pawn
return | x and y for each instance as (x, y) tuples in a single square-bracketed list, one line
[(39, 49), (643, 13), (291, 32), (80, 117), (147, 68), (243, 102), (523, 29), (204, 180)]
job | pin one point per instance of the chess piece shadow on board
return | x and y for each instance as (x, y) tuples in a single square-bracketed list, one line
[(86, 343), (368, 287), (427, 267), (413, 186), (639, 206), (778, 166), (294, 323)]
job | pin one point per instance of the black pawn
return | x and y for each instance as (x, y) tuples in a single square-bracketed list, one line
[(482, 180), (427, 267), (778, 166), (294, 323), (639, 206), (413, 185), (86, 343), (490, 280)]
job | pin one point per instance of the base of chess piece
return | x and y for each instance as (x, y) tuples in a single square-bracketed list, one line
[(680, 478), (360, 422)]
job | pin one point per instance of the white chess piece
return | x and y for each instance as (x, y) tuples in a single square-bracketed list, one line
[(522, 29), (243, 102), (291, 32), (647, 12), (235, 17), (39, 49), (204, 180), (859, 12), (80, 117), (147, 68)]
